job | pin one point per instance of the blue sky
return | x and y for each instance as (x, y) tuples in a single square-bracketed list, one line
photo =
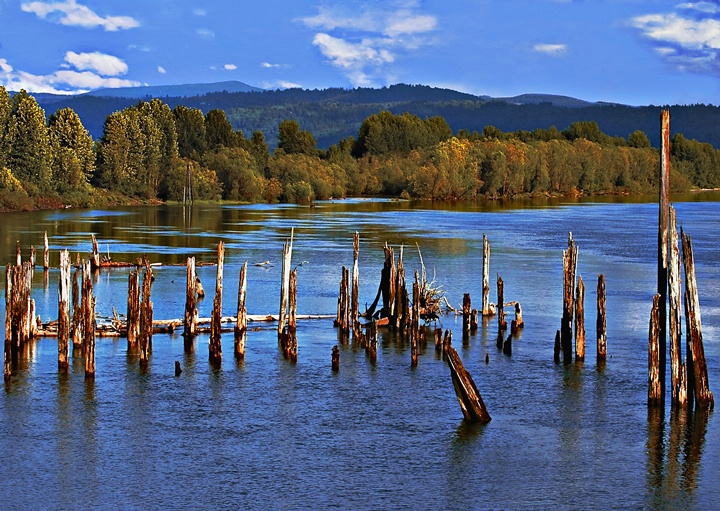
[(637, 52)]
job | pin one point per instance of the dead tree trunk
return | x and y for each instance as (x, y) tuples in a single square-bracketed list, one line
[(342, 319), (241, 325), (678, 374), (398, 321), (655, 397), (133, 308), (63, 332), (486, 310), (18, 256), (580, 321), (191, 312), (88, 321), (215, 347), (389, 280), (566, 328), (146, 316), (698, 377), (468, 395), (95, 259), (600, 322)]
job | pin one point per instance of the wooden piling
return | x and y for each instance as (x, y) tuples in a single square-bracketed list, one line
[(133, 308), (18, 257), (178, 369), (343, 318), (466, 311), (76, 327), (241, 325), (63, 328), (335, 360), (698, 376), (7, 351), (290, 337), (566, 327), (438, 340), (215, 347), (558, 347), (678, 372), (517, 324), (655, 396), (88, 321), (191, 313), (500, 310), (600, 322), (285, 286), (146, 316), (468, 395), (662, 261), (46, 253), (580, 321), (355, 297), (95, 258), (507, 346), (486, 310), (32, 256)]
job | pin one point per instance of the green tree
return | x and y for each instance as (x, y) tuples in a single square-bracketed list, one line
[(73, 158), (30, 158), (235, 168), (638, 139), (293, 140), (7, 126), (191, 133), (121, 152), (218, 131)]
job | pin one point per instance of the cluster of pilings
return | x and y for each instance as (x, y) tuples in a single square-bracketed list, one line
[(689, 386)]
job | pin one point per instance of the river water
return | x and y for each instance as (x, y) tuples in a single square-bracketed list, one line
[(268, 434)]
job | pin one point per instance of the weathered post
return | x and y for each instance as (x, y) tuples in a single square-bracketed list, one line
[(18, 257), (698, 377), (580, 321), (241, 324), (291, 346), (678, 374), (655, 397), (146, 316), (7, 352), (566, 327), (517, 324), (600, 322), (63, 334), (558, 347), (662, 270), (335, 361), (95, 259), (468, 395), (133, 308), (355, 312), (486, 278), (88, 319), (215, 346), (388, 282), (414, 324), (438, 340), (76, 328), (32, 256), (191, 312), (466, 311), (46, 253), (500, 309), (284, 286)]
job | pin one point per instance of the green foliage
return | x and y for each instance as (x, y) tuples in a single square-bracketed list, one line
[(30, 157), (191, 133), (73, 159), (236, 170), (293, 140), (384, 134), (218, 131)]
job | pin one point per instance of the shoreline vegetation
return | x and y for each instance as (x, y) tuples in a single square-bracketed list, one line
[(150, 154)]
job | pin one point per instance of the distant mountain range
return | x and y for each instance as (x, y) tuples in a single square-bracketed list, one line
[(331, 114)]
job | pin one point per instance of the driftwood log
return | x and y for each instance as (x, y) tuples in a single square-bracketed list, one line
[(468, 395)]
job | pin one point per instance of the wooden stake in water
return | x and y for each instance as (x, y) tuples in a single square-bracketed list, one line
[(241, 325), (46, 253), (146, 316), (678, 372), (486, 310), (88, 321), (580, 321), (600, 322), (63, 332), (662, 262), (133, 308), (355, 304), (191, 313), (95, 261), (566, 327), (468, 395), (696, 363), (655, 397), (215, 347), (285, 285)]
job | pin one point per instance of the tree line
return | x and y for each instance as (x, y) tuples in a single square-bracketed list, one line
[(148, 150)]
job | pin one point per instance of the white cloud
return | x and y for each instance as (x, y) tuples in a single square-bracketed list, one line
[(5, 67), (199, 12), (551, 49), (205, 33), (268, 65), (707, 7), (103, 64), (230, 67), (364, 43), (161, 70), (71, 13)]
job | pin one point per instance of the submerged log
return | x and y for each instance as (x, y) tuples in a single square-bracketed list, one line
[(600, 322), (215, 346), (655, 395), (468, 395), (241, 324), (580, 321), (698, 376), (63, 326)]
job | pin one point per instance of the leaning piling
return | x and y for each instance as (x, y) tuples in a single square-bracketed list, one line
[(468, 395)]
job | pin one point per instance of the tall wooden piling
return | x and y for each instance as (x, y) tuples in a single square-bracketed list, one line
[(566, 327), (662, 261), (18, 255), (678, 373), (291, 348), (285, 286), (46, 253), (146, 316), (466, 311), (241, 324), (88, 321), (215, 347), (698, 376), (500, 310), (335, 359), (133, 308), (355, 298), (63, 332), (191, 313), (7, 351), (76, 326), (486, 311), (580, 321), (468, 396), (655, 397), (601, 322), (95, 257)]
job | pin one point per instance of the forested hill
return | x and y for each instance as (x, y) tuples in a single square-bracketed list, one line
[(333, 114)]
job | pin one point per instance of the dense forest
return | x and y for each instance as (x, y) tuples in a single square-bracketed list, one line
[(149, 151)]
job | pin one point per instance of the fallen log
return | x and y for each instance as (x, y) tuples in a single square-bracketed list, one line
[(468, 395)]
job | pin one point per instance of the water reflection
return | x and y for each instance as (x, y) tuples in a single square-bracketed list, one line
[(674, 457)]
